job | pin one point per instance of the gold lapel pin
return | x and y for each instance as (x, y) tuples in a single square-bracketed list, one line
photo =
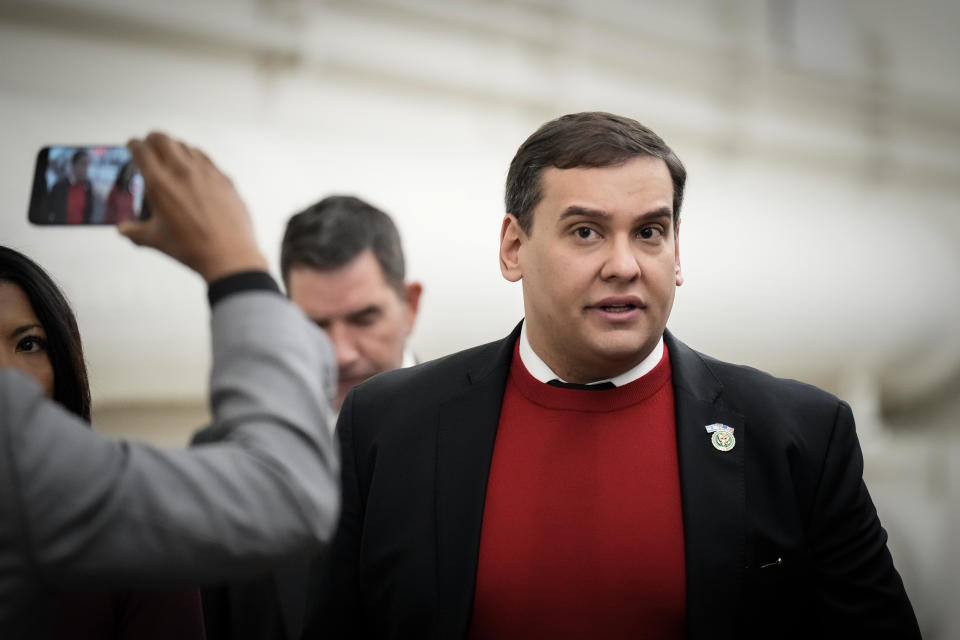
[(722, 437)]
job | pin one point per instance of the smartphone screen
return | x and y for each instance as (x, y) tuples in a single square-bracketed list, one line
[(84, 185)]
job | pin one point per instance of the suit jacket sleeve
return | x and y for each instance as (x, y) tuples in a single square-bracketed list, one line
[(78, 509), (860, 592)]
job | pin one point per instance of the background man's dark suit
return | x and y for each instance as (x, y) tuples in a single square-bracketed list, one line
[(57, 202), (781, 537), (342, 264)]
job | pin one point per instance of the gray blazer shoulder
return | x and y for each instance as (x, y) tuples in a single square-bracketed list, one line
[(79, 509)]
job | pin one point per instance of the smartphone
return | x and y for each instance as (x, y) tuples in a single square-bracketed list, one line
[(86, 185)]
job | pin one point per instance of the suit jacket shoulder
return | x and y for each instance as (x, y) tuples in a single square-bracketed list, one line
[(787, 414), (445, 376), (788, 504), (396, 400)]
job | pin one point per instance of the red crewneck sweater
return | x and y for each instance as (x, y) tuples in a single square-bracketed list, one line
[(582, 527)]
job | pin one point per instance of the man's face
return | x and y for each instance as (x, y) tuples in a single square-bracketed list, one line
[(599, 267), (367, 320), (80, 168)]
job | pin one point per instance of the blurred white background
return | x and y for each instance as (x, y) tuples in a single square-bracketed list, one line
[(819, 231)]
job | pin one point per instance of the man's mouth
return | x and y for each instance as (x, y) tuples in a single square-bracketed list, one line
[(619, 304)]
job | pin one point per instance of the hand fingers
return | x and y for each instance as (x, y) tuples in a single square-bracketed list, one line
[(200, 161), (155, 175), (204, 157), (190, 152), (166, 165), (171, 153), (137, 232), (144, 157)]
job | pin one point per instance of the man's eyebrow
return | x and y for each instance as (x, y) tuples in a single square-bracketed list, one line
[(350, 315), (662, 212), (575, 211), (368, 310)]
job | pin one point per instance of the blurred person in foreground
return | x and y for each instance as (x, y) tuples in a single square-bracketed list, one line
[(80, 511), (342, 263), (590, 475), (39, 336)]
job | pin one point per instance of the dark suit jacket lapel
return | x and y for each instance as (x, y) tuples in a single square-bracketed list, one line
[(467, 429), (714, 506)]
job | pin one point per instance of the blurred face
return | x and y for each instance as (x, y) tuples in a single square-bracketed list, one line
[(367, 320), (599, 267), (80, 168), (23, 343)]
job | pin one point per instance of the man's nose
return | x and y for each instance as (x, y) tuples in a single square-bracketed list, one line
[(343, 344), (621, 260)]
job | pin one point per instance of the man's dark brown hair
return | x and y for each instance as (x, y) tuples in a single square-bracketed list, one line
[(329, 234), (589, 139)]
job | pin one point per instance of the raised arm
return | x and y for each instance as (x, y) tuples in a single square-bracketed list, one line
[(81, 510)]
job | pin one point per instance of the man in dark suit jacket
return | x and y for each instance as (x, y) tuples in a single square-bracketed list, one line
[(71, 198), (590, 475), (342, 263)]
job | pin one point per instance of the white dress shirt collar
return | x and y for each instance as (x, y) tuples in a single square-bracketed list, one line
[(408, 358), (539, 369)]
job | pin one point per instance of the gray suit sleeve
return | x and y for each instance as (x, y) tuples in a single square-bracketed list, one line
[(79, 509)]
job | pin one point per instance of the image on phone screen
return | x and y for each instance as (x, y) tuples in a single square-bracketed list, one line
[(83, 185)]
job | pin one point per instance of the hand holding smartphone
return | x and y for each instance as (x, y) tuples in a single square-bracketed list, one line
[(199, 218), (86, 185)]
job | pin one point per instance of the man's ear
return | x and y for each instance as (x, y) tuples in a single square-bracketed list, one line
[(411, 296), (512, 238), (677, 271)]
